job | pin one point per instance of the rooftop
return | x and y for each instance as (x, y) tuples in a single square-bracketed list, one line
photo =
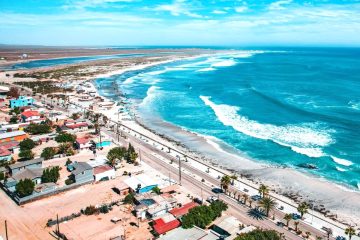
[(12, 134), (4, 152), (230, 224), (81, 167), (28, 173), (102, 169), (165, 224), (76, 125), (178, 212), (28, 114), (26, 163), (194, 233), (82, 140)]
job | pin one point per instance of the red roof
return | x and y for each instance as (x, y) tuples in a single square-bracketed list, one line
[(8, 145), (162, 227), (102, 168), (82, 140), (28, 114), (4, 152), (178, 212), (77, 125)]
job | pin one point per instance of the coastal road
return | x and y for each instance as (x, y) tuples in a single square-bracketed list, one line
[(197, 187)]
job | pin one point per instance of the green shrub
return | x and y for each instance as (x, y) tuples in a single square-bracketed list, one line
[(48, 153), (25, 187), (90, 210), (64, 137), (51, 175), (27, 144), (259, 234), (26, 154)]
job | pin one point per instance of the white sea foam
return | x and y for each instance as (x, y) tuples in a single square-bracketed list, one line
[(341, 161), (224, 63), (340, 169), (354, 105), (151, 95), (302, 139), (206, 69)]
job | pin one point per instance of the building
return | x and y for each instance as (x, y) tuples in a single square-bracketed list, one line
[(5, 155), (165, 223), (181, 211), (75, 126), (30, 115), (13, 136), (82, 172), (22, 101), (34, 174), (31, 164), (153, 205), (4, 90), (104, 172), (141, 183), (83, 143), (194, 233), (227, 226)]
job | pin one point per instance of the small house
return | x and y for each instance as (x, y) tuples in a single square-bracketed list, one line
[(22, 101), (5, 155), (29, 116), (104, 172), (82, 172), (83, 143), (33, 174), (165, 224)]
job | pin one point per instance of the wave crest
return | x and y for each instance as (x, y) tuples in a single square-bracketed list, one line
[(342, 161), (301, 139)]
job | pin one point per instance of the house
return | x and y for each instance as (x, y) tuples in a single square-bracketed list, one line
[(30, 164), (5, 155), (227, 226), (83, 143), (194, 233), (34, 174), (13, 136), (30, 115), (13, 127), (141, 183), (82, 172), (165, 224), (22, 101), (181, 211), (104, 172), (75, 126), (154, 205)]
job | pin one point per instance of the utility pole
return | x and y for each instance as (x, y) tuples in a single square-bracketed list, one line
[(58, 228), (179, 170), (140, 154), (6, 231), (169, 180)]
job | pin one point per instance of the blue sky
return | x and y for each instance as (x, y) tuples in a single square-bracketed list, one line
[(180, 22)]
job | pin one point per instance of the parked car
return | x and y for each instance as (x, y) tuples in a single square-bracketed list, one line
[(256, 197), (281, 208), (296, 216), (212, 199), (217, 190), (280, 224), (198, 200)]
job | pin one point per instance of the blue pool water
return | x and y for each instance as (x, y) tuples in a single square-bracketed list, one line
[(280, 106)]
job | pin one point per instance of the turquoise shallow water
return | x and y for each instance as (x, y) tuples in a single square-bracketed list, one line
[(282, 106)]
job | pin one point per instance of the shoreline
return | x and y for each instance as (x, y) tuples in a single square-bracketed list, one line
[(274, 176)]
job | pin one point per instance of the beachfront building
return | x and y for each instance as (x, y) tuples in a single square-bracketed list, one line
[(29, 116), (104, 172), (22, 101), (82, 172), (141, 183), (194, 233), (13, 136)]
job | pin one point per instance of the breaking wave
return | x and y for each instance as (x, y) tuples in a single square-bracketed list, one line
[(341, 161), (301, 139)]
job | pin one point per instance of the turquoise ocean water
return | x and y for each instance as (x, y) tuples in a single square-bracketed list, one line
[(281, 106)]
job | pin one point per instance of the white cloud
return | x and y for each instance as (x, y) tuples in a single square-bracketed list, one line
[(279, 5), (80, 4), (177, 8), (219, 12), (241, 9)]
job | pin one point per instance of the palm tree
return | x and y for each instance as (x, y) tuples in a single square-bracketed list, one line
[(296, 223), (268, 204), (287, 218), (350, 231), (233, 178), (224, 183), (238, 196), (303, 208), (263, 190), (329, 232), (250, 202), (308, 234), (318, 238), (245, 198)]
